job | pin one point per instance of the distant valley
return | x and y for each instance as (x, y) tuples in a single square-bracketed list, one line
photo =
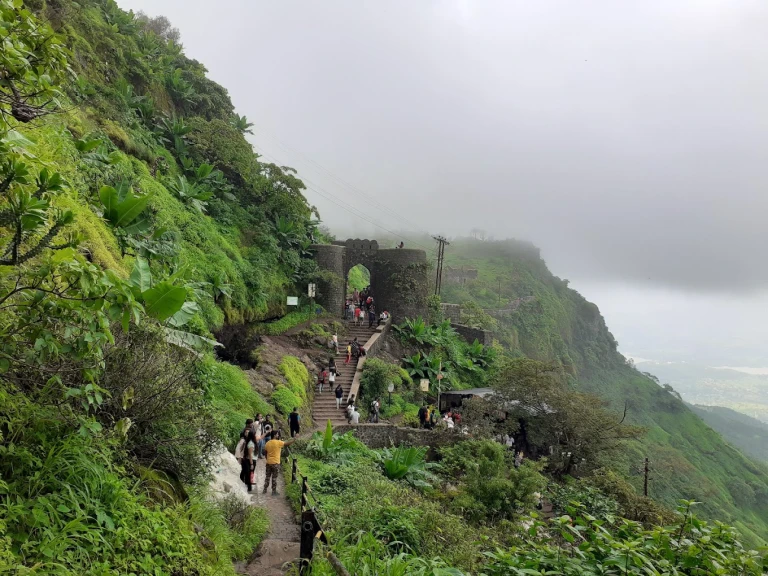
[(745, 393)]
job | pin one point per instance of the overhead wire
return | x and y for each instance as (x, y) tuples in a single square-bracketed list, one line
[(339, 179), (340, 202)]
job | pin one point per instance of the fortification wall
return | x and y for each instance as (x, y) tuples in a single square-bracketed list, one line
[(400, 284), (472, 334), (386, 435), (451, 312), (330, 289)]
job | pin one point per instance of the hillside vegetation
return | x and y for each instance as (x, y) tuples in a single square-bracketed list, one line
[(135, 221), (138, 225), (747, 434), (537, 315)]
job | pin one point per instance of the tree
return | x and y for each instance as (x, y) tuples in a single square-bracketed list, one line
[(242, 124), (33, 61), (554, 421)]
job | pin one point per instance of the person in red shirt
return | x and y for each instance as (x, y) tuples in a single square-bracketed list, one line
[(322, 378)]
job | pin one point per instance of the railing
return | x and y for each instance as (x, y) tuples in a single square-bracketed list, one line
[(311, 529), (370, 348)]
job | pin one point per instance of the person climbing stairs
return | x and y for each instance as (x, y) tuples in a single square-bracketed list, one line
[(324, 405)]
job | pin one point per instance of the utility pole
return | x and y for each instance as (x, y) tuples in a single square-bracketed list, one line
[(645, 478), (499, 279), (441, 242)]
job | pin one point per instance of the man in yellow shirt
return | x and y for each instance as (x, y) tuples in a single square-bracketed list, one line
[(273, 448)]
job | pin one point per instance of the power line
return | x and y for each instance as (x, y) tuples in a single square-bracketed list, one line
[(339, 179), (340, 202)]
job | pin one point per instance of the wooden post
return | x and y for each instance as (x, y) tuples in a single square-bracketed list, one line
[(307, 542), (293, 471), (304, 487)]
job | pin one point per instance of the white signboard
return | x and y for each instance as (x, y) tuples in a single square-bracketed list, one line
[(293, 301), (424, 385), (311, 290)]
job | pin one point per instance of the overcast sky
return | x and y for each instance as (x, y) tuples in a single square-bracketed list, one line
[(629, 140)]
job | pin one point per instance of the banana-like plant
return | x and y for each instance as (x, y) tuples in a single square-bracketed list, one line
[(194, 194), (409, 464)]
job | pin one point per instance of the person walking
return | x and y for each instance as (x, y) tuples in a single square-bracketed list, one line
[(339, 391), (332, 364), (349, 353), (247, 465), (423, 415), (371, 316), (375, 406), (321, 378), (335, 343), (293, 422), (351, 311), (354, 417), (432, 417), (274, 449), (332, 378), (355, 349)]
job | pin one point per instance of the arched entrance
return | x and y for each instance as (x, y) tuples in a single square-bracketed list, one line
[(358, 278), (397, 276)]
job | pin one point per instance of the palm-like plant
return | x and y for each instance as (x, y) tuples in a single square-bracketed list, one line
[(409, 464), (417, 330), (195, 195), (241, 123)]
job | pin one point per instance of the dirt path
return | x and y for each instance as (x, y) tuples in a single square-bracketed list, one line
[(281, 545)]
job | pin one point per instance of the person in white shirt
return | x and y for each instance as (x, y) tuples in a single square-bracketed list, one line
[(355, 417)]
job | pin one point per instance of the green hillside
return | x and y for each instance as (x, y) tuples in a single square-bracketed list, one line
[(137, 226), (135, 222), (554, 323), (748, 434)]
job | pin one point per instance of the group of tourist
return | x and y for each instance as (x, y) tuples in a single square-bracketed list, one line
[(328, 376), (354, 350), (361, 306), (259, 440), (430, 418)]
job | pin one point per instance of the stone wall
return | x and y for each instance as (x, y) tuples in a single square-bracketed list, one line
[(472, 334), (371, 347), (400, 285), (459, 275), (386, 435), (398, 276), (330, 289), (451, 312)]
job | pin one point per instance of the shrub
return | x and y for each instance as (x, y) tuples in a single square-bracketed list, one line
[(285, 400), (297, 376), (151, 383), (231, 396)]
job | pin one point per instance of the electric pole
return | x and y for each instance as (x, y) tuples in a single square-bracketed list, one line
[(441, 242), (645, 478)]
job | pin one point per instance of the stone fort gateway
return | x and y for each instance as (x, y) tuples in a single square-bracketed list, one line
[(398, 276)]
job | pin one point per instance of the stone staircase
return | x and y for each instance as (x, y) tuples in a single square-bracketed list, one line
[(324, 405)]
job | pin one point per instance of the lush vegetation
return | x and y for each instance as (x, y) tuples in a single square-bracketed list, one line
[(440, 351), (744, 432), (359, 277), (423, 514), (135, 220), (538, 316)]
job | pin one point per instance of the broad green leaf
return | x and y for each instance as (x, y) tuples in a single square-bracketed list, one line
[(141, 276), (188, 340), (164, 300), (188, 310)]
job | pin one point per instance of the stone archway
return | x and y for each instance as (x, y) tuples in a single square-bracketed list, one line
[(398, 276)]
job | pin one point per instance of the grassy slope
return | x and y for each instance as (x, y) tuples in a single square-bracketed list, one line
[(689, 459), (744, 432)]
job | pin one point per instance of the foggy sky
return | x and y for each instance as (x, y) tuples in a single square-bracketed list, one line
[(629, 140)]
